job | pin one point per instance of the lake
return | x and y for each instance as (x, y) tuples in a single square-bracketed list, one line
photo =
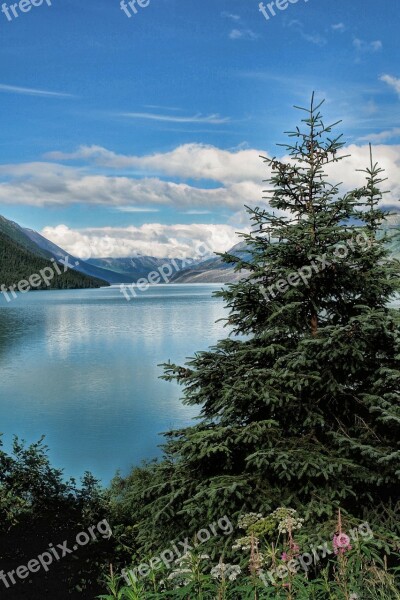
[(80, 367)]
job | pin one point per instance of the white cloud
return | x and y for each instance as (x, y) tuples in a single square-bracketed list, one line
[(231, 16), (45, 184), (137, 209), (237, 175), (382, 136), (15, 89), (393, 82), (367, 47), (339, 27), (388, 157), (214, 119), (243, 34), (377, 45), (152, 239), (158, 107), (189, 161), (240, 32)]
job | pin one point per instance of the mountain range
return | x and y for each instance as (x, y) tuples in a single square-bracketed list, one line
[(22, 248), (109, 271)]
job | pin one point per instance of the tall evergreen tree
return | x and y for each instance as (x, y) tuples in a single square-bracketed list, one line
[(301, 407)]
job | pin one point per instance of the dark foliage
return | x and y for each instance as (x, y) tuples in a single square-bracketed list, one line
[(37, 508)]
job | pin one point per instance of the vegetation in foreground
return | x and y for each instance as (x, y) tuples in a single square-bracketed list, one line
[(300, 420), (277, 557)]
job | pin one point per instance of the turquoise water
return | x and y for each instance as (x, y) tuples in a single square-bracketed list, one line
[(80, 366)]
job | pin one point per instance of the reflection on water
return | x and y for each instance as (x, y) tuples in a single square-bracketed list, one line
[(81, 367)]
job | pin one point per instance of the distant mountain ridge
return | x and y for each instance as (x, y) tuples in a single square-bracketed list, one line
[(118, 270), (18, 235), (112, 270), (23, 264), (214, 270), (137, 267), (84, 267), (130, 270)]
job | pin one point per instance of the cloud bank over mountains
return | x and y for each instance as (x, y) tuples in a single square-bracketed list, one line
[(152, 239)]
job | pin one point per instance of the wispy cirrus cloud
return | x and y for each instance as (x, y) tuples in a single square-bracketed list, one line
[(231, 16), (158, 107), (137, 209), (214, 119), (15, 89)]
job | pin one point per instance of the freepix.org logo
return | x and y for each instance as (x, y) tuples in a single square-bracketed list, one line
[(13, 11), (269, 10), (131, 8)]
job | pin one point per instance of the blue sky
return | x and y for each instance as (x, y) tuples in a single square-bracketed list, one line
[(145, 131)]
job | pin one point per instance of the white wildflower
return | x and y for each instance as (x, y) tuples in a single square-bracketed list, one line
[(178, 573), (245, 521), (224, 571), (287, 519), (245, 543)]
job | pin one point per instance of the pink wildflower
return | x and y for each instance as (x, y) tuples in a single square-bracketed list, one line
[(341, 543), (342, 540), (294, 547)]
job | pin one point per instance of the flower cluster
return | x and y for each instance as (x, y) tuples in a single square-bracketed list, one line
[(341, 543), (223, 572), (182, 577), (243, 543), (246, 521), (287, 520), (257, 524)]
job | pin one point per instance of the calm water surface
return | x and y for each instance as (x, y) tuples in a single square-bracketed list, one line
[(80, 366)]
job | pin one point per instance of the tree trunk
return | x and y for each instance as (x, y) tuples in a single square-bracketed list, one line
[(314, 325)]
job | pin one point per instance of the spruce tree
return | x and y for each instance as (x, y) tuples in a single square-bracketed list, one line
[(300, 403)]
